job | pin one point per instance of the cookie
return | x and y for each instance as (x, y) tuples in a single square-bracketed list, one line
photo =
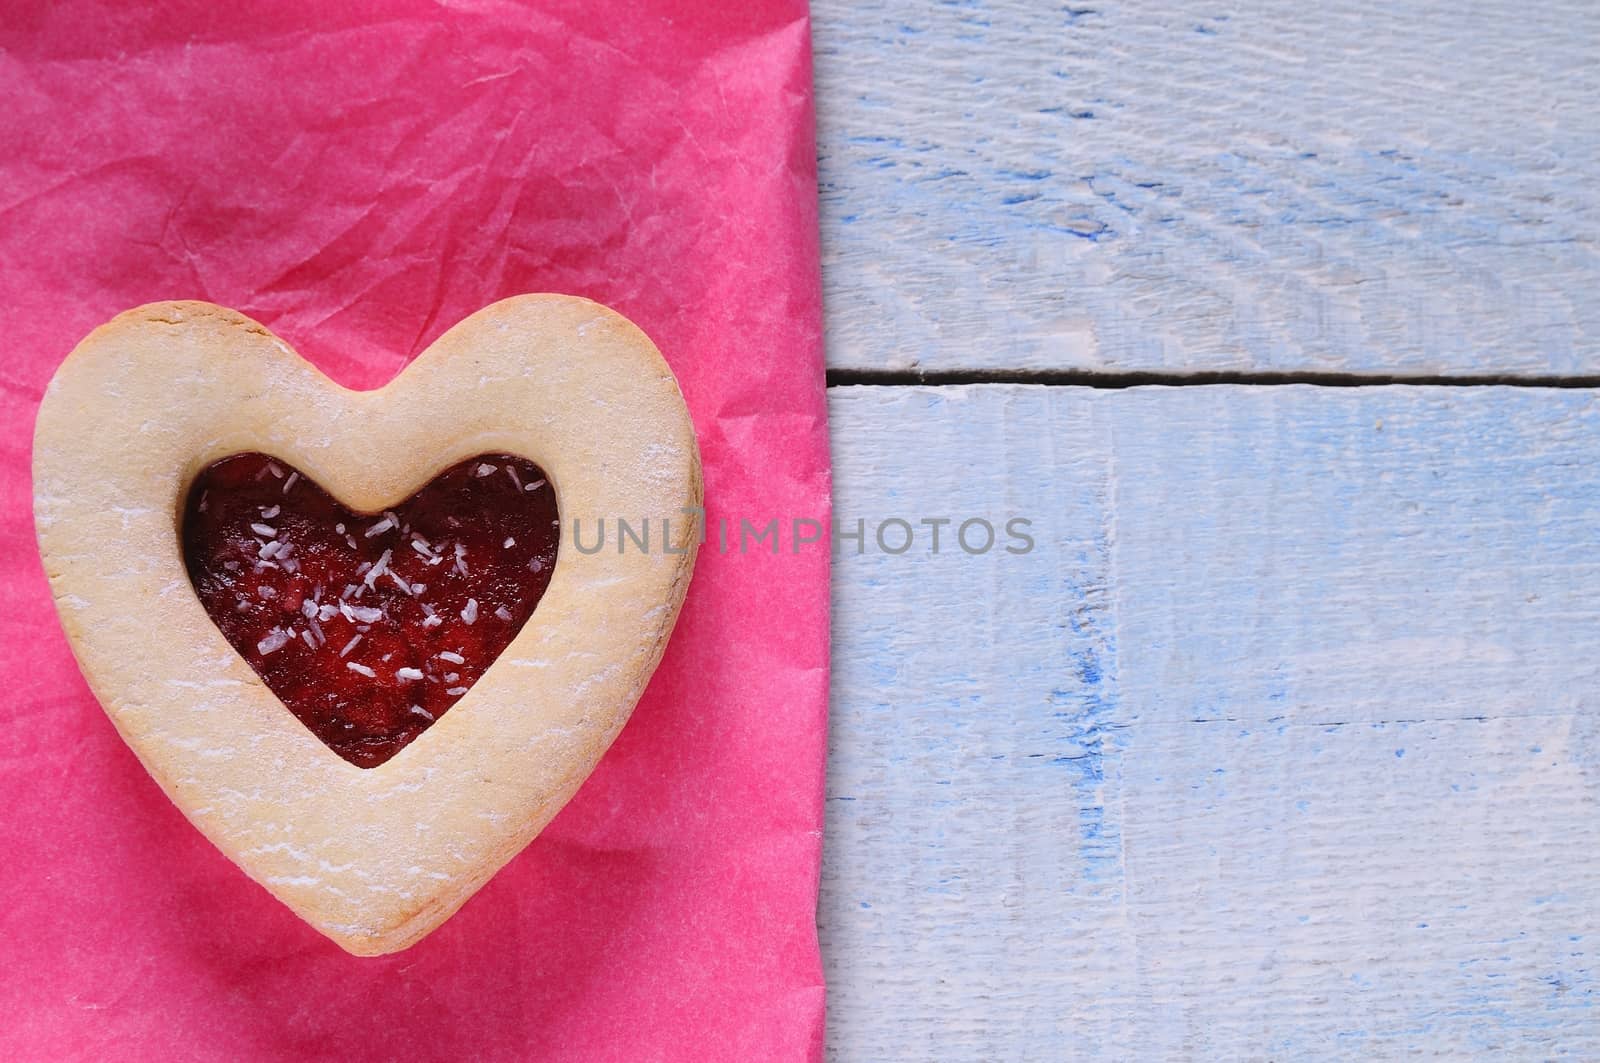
[(182, 438)]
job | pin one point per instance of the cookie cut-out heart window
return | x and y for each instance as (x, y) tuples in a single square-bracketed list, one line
[(369, 627)]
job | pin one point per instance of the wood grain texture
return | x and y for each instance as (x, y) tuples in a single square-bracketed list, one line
[(1144, 185), (1282, 743)]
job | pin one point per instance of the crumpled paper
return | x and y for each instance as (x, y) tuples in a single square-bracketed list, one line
[(359, 177)]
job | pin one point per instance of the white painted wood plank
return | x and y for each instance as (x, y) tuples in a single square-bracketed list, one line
[(1147, 185), (1283, 743)]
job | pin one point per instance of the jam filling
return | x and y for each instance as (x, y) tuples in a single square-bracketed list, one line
[(370, 626)]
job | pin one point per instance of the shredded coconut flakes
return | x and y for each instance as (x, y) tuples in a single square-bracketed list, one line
[(378, 569), (276, 639), (360, 614)]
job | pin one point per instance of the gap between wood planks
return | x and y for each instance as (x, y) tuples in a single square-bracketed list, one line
[(1081, 378)]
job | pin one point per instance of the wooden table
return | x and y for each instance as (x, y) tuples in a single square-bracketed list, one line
[(1280, 322)]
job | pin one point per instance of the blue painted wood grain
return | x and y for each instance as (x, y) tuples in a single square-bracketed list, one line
[(1282, 744), (1201, 185)]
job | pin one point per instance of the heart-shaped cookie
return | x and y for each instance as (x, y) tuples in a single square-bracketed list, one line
[(374, 857)]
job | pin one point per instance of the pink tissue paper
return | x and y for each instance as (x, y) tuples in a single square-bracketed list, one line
[(359, 177)]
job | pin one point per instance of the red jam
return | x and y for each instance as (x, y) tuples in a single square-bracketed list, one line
[(369, 626)]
